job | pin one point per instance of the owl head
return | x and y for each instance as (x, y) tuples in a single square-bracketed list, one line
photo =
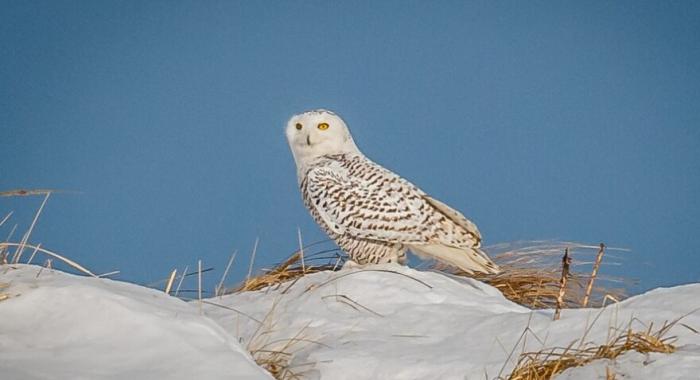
[(317, 133)]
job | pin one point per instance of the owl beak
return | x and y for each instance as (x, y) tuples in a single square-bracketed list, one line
[(308, 140)]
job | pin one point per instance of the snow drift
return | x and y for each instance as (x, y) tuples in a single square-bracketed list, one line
[(383, 322), (60, 326), (393, 322)]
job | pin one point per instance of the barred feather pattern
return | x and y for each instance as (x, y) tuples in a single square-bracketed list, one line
[(375, 216)]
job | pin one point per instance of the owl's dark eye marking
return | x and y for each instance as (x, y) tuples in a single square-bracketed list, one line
[(298, 126)]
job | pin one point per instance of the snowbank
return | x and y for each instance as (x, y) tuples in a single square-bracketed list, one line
[(59, 326), (387, 322), (424, 325)]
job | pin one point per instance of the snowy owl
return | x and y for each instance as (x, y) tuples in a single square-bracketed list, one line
[(374, 215)]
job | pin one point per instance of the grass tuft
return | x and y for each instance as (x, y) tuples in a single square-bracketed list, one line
[(530, 276), (275, 355), (292, 269), (547, 363)]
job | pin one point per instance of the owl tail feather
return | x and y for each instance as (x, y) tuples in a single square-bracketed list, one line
[(469, 260)]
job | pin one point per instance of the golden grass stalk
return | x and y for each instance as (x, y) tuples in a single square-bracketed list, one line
[(594, 273), (12, 232), (47, 265), (9, 214), (565, 268), (546, 363), (289, 270), (609, 374), (108, 274), (4, 251), (182, 278), (3, 286), (25, 238), (171, 280), (301, 250), (220, 286), (252, 259), (52, 254), (199, 284), (31, 257)]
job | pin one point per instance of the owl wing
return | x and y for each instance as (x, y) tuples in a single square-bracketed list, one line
[(457, 218), (370, 202)]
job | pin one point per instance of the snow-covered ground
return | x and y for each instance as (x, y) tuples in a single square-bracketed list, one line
[(425, 325), (386, 322), (60, 326)]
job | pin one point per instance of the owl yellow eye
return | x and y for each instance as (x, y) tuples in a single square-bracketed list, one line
[(323, 126), (298, 126)]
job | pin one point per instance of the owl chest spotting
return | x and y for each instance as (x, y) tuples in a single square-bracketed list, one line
[(329, 194), (332, 196)]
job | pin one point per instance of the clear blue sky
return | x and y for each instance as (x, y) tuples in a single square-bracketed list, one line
[(547, 120)]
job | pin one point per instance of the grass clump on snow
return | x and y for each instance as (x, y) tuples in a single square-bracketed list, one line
[(530, 276), (275, 355), (295, 267), (547, 363)]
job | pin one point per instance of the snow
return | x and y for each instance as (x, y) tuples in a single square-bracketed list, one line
[(380, 322), (60, 326), (424, 325)]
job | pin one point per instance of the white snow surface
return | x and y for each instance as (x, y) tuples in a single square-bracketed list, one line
[(379, 322), (393, 322), (59, 326)]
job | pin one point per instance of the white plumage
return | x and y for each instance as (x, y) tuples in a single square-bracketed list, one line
[(374, 215)]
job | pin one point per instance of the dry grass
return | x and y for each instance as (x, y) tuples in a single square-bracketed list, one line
[(3, 295), (29, 192), (23, 244), (531, 275), (277, 361), (546, 363), (594, 274), (535, 288), (609, 374), (291, 269), (275, 355), (563, 280)]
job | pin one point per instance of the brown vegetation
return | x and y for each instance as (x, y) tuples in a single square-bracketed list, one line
[(530, 275), (546, 363)]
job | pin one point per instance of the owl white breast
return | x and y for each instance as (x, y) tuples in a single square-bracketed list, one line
[(374, 215)]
